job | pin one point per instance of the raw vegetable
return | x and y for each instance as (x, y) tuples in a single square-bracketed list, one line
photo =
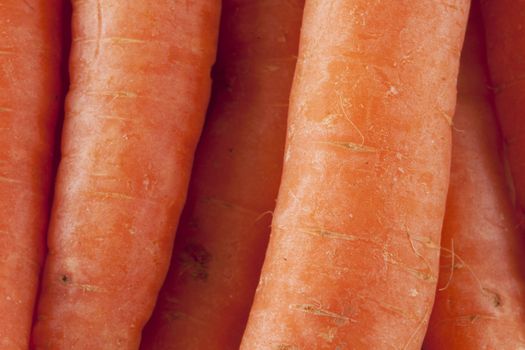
[(140, 81), (31, 93), (504, 21), (480, 303), (351, 262), (224, 229)]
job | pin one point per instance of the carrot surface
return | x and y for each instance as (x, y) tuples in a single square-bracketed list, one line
[(351, 262), (140, 84), (225, 226), (504, 26), (481, 300), (31, 93)]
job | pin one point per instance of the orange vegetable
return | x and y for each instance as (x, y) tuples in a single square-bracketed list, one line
[(481, 300), (140, 81), (504, 21), (224, 229), (31, 92), (351, 262)]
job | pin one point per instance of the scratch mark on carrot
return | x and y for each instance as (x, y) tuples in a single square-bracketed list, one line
[(112, 117), (448, 118), (314, 310), (115, 94), (112, 195), (332, 234), (5, 110), (111, 40), (351, 146)]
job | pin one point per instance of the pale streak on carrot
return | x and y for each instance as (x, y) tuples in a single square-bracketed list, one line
[(6, 53), (99, 28), (101, 175), (268, 212), (350, 146), (111, 40), (89, 288), (10, 180), (111, 195), (5, 110), (319, 232), (114, 94), (112, 117), (448, 118), (452, 264), (314, 310)]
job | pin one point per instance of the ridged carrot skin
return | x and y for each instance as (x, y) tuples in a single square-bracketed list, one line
[(351, 262), (481, 300), (225, 226), (504, 22), (31, 93), (140, 84)]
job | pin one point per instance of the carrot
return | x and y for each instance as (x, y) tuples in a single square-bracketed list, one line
[(481, 300), (351, 262), (224, 229), (140, 81), (30, 96), (504, 20)]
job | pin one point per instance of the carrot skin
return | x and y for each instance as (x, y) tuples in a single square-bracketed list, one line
[(225, 226), (480, 303), (503, 22), (352, 259), (140, 84), (31, 92)]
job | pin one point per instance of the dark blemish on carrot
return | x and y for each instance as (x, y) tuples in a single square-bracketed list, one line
[(64, 279), (197, 260)]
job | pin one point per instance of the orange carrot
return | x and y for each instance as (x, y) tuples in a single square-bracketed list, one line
[(504, 26), (30, 96), (224, 229), (351, 262), (481, 300), (140, 81)]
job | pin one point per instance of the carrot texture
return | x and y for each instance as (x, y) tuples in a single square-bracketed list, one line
[(352, 261), (140, 84), (30, 98), (504, 21), (481, 300), (224, 229)]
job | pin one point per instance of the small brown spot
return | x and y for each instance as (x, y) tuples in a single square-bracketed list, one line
[(197, 259), (494, 297), (64, 279)]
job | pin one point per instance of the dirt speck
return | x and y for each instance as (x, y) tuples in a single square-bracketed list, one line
[(197, 260)]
